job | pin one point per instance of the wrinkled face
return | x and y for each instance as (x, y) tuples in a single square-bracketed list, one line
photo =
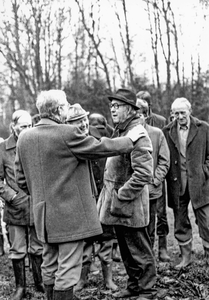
[(82, 124), (119, 111), (23, 123), (182, 114)]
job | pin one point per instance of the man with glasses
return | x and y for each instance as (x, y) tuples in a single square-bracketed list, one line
[(51, 166), (124, 199)]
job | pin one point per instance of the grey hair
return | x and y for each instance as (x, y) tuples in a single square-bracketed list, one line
[(179, 101), (48, 101)]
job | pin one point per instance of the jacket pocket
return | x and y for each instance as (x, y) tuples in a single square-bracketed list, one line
[(121, 208)]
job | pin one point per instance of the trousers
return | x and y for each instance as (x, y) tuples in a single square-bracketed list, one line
[(62, 264), (182, 224), (23, 240), (137, 256)]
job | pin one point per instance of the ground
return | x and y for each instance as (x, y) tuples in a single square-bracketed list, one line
[(189, 284)]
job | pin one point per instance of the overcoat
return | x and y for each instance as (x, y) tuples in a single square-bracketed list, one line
[(124, 199), (17, 211), (51, 165), (197, 163)]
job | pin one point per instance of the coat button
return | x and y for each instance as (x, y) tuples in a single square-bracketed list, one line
[(175, 162), (175, 179)]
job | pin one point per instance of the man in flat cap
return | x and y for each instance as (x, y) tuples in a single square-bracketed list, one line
[(124, 200)]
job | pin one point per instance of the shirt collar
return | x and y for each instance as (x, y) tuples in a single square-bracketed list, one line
[(186, 127)]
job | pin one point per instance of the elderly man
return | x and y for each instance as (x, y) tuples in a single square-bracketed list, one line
[(79, 117), (188, 177), (162, 223), (22, 234), (161, 158), (124, 200), (51, 166)]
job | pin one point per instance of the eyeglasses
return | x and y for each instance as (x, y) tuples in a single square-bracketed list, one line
[(115, 105)]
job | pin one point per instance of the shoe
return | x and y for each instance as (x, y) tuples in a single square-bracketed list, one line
[(125, 294)]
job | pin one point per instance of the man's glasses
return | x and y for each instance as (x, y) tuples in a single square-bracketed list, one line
[(115, 105)]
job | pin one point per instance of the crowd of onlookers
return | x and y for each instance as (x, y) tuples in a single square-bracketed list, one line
[(74, 188)]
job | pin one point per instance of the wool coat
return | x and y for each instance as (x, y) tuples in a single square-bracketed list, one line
[(51, 165), (124, 199), (161, 160), (17, 211), (197, 163)]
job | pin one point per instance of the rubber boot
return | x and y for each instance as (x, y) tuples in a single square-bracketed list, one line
[(49, 289), (162, 245), (36, 261), (115, 254), (1, 245), (19, 272), (107, 275), (63, 295), (186, 255), (83, 278)]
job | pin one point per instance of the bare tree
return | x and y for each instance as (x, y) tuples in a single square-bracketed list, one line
[(95, 39)]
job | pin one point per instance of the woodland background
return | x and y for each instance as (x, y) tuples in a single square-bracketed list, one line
[(91, 48)]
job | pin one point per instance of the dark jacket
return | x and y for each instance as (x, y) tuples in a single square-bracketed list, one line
[(124, 199), (51, 163), (197, 163), (16, 212)]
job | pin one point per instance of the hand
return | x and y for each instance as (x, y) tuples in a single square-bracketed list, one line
[(136, 132)]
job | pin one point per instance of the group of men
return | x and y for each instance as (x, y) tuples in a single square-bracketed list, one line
[(51, 191)]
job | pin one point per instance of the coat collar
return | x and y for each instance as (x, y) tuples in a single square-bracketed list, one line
[(125, 124), (46, 121), (10, 142), (172, 127)]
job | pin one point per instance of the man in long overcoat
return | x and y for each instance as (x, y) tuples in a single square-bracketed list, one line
[(188, 176), (51, 165)]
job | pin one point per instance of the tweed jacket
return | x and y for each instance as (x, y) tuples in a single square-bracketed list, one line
[(16, 212), (124, 199), (161, 159), (51, 165), (197, 163)]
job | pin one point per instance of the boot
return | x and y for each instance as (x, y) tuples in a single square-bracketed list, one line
[(186, 253), (63, 295), (162, 245), (36, 261), (115, 254), (107, 275), (49, 289), (1, 245), (206, 255), (83, 278), (19, 272)]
